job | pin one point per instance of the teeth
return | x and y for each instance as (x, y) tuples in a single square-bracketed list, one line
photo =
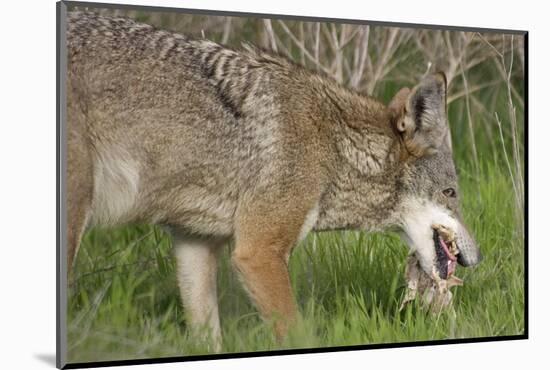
[(448, 237), (454, 249)]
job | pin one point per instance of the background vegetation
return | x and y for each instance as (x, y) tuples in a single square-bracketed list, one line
[(124, 301)]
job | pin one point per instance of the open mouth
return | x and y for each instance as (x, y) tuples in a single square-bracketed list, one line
[(446, 251)]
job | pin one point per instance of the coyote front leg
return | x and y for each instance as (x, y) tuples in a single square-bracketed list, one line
[(264, 241)]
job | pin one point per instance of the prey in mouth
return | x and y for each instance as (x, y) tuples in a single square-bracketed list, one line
[(434, 291), (446, 251)]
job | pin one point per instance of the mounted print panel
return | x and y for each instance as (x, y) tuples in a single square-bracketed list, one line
[(236, 185)]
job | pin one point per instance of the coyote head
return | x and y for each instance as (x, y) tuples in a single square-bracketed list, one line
[(429, 213)]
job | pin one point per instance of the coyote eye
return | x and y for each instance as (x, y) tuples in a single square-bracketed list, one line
[(450, 192)]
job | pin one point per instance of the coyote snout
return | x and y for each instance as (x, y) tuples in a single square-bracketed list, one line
[(439, 239), (469, 253)]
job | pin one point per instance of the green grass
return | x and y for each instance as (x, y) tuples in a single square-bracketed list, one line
[(124, 302)]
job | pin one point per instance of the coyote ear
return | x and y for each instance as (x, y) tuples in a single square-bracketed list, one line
[(423, 121), (397, 104)]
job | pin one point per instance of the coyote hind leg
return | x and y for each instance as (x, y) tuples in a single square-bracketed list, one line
[(197, 270), (79, 185)]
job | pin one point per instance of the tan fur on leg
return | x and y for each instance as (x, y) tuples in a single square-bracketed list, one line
[(264, 242), (197, 267), (79, 184), (265, 276)]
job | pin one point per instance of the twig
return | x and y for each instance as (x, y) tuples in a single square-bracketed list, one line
[(489, 44), (302, 47), (317, 43), (363, 50), (471, 89), (470, 124), (226, 30), (302, 57), (270, 34), (382, 60), (516, 192)]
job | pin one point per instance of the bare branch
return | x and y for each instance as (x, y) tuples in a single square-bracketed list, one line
[(363, 51), (317, 43), (226, 30), (269, 30), (302, 47)]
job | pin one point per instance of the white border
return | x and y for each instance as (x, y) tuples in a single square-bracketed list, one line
[(27, 185)]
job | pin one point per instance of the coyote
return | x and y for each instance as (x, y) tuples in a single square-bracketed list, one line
[(217, 144)]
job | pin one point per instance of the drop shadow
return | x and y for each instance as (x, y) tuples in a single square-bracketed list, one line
[(47, 358)]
